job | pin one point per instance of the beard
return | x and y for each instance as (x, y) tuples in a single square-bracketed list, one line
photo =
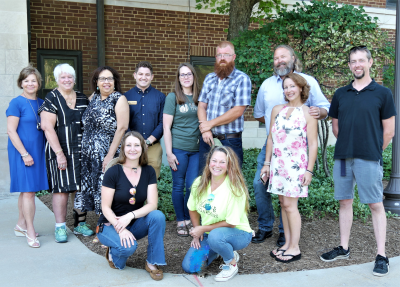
[(360, 76), (284, 69), (224, 71)]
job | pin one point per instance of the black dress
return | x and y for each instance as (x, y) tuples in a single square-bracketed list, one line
[(69, 132), (100, 125)]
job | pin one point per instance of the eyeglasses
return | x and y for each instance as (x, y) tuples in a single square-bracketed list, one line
[(188, 75), (132, 191), (104, 79), (224, 55), (210, 198)]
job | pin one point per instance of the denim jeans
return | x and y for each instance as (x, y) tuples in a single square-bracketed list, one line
[(263, 198), (234, 143), (186, 172), (152, 225), (220, 241)]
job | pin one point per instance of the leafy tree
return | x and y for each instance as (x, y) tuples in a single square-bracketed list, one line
[(241, 12), (322, 34)]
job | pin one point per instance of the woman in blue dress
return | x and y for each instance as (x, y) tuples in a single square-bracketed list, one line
[(26, 151)]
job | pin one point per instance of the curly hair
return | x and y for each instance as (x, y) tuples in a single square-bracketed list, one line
[(301, 83)]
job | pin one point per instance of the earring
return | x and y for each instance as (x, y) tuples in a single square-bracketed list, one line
[(114, 88), (97, 87)]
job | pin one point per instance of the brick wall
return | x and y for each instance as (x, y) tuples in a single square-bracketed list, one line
[(369, 3)]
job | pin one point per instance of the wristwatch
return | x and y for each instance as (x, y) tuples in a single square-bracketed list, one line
[(148, 142)]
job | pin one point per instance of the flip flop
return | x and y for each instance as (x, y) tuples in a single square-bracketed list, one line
[(277, 250), (294, 258)]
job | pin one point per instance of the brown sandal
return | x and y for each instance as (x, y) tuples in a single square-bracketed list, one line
[(182, 228), (109, 261), (154, 274), (189, 226)]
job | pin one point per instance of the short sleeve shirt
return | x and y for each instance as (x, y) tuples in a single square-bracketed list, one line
[(360, 115), (116, 179), (185, 127), (225, 206), (220, 97)]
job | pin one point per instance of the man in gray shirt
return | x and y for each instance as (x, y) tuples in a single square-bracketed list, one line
[(270, 95)]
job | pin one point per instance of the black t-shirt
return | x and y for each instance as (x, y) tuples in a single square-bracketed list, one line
[(115, 178), (360, 115)]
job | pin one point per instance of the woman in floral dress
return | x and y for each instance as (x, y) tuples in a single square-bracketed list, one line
[(287, 165)]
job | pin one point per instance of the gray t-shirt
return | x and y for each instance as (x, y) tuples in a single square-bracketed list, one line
[(185, 127)]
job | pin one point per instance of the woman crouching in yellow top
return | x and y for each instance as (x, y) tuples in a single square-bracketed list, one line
[(220, 198)]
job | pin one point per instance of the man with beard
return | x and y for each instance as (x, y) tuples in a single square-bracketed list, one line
[(363, 121), (223, 99), (270, 95)]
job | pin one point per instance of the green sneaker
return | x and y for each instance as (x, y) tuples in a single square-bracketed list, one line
[(61, 234), (83, 229)]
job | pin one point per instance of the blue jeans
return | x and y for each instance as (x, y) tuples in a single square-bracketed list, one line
[(220, 241), (153, 225), (263, 198), (233, 143), (186, 172)]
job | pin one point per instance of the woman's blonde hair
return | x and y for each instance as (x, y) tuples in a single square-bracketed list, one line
[(143, 157), (234, 172)]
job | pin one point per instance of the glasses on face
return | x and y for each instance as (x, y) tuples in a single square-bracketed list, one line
[(104, 79), (188, 75), (210, 198), (221, 56), (132, 191)]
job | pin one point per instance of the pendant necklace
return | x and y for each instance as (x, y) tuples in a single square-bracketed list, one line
[(37, 121)]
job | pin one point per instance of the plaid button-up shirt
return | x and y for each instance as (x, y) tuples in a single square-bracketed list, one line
[(234, 90)]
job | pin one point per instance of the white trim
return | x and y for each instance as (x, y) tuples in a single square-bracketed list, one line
[(386, 17)]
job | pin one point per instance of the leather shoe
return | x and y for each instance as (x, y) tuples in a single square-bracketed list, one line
[(281, 239), (261, 235)]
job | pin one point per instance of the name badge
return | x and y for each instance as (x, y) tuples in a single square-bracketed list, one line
[(132, 102)]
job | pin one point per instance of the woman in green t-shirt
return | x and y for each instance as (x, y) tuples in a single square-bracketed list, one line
[(219, 199), (181, 133)]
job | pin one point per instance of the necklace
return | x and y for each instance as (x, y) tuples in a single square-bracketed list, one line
[(135, 169), (69, 103), (37, 121)]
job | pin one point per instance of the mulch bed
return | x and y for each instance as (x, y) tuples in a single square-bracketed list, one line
[(317, 236)]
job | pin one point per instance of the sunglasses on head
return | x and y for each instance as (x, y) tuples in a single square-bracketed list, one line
[(358, 48)]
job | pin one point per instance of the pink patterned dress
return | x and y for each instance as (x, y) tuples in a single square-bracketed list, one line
[(289, 154)]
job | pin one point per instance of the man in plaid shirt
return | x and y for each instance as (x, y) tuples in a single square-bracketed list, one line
[(225, 95)]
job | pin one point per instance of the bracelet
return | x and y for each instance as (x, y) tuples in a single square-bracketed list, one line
[(25, 154), (267, 163), (57, 152), (134, 216), (310, 172)]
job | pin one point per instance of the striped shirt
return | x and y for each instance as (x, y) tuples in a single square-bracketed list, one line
[(220, 97)]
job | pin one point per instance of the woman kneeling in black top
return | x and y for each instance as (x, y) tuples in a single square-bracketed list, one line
[(126, 187)]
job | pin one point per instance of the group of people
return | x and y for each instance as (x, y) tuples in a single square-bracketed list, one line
[(105, 151)]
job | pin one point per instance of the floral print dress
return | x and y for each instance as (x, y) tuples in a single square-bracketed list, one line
[(289, 159)]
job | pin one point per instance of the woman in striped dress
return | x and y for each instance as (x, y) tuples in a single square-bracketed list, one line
[(61, 115)]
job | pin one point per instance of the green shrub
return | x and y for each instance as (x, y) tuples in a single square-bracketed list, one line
[(319, 203)]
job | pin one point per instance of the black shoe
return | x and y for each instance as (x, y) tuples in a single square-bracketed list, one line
[(381, 266), (336, 253), (281, 239), (261, 235)]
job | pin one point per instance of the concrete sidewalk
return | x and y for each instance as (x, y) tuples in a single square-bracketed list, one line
[(72, 264)]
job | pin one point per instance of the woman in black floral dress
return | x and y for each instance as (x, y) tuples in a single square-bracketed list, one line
[(104, 122)]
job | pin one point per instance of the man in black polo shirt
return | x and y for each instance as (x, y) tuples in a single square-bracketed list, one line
[(146, 106), (363, 122)]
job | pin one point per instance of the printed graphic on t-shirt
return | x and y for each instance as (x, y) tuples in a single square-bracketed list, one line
[(185, 107), (211, 211)]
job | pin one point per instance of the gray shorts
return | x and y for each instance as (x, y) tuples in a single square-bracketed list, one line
[(366, 173)]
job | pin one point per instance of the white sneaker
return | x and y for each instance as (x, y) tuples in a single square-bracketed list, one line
[(236, 255), (228, 272)]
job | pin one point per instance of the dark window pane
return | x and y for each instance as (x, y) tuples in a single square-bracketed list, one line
[(391, 3)]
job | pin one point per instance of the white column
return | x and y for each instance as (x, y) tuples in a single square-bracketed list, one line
[(13, 57)]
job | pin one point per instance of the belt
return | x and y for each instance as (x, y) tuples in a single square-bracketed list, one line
[(227, 136)]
